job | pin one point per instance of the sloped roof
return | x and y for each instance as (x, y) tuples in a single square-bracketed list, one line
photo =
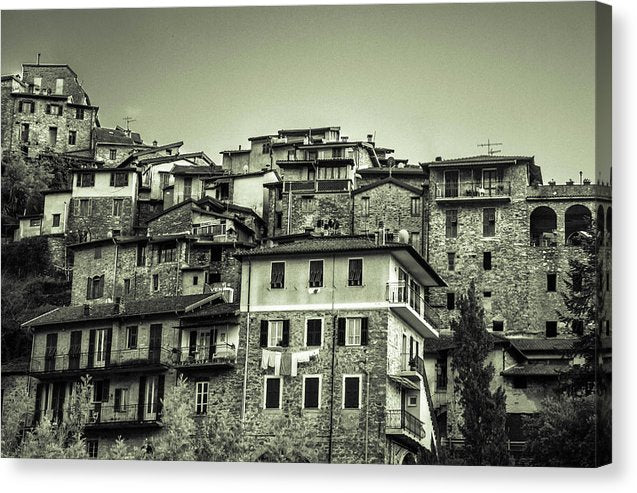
[(106, 311), (214, 310), (538, 370), (483, 158), (114, 136), (386, 181), (549, 345)]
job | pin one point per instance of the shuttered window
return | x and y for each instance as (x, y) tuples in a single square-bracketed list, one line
[(352, 331), (314, 329), (355, 272), (488, 222), (95, 287), (316, 273), (119, 179), (272, 392), (351, 392), (86, 180), (311, 392), (275, 333), (451, 224), (277, 275)]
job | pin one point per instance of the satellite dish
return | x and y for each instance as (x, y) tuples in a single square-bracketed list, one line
[(403, 236)]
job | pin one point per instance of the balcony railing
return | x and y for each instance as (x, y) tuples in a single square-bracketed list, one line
[(219, 354), (210, 229), (318, 186), (411, 362), (101, 360), (399, 293), (472, 189), (402, 420), (124, 414)]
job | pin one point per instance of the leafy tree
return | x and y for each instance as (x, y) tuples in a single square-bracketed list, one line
[(483, 411), (292, 442), (175, 441), (23, 181), (15, 411), (122, 451), (219, 438), (65, 440)]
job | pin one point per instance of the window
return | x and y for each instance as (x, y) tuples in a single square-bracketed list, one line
[(112, 154), (351, 392), (126, 286), (116, 232), (352, 331), (166, 253), (85, 207), (59, 86), (277, 275), (551, 282), (488, 222), (451, 301), (265, 148), (56, 220), (216, 253), (451, 183), (95, 287), (365, 206), (316, 273), (276, 332), (311, 392), (498, 326), (415, 206), (355, 272), (313, 336), (53, 135), (577, 281), (278, 220), (141, 255), (414, 239), (86, 180), (201, 397), (578, 327), (164, 179), (187, 187), (35, 222), (451, 261), (441, 373), (72, 137), (451, 224), (53, 109), (272, 393), (486, 260), (155, 282), (519, 382), (307, 204), (117, 207), (79, 113), (26, 107), (91, 448), (487, 294), (24, 132), (195, 280), (412, 401), (120, 403), (97, 252), (119, 179), (551, 329)]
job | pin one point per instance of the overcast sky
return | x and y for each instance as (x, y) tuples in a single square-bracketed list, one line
[(428, 80)]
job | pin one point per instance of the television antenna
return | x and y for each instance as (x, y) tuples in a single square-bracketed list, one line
[(128, 120), (489, 146)]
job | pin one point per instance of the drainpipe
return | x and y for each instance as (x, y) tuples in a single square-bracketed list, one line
[(289, 205), (115, 267), (334, 331), (245, 365), (366, 417)]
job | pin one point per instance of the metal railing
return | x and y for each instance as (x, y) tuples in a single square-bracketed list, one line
[(116, 358), (472, 189), (210, 229), (126, 413), (221, 353), (402, 420), (342, 185), (399, 293), (412, 362)]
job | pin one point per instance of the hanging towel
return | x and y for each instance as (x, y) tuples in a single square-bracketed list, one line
[(302, 357), (277, 363), (265, 356), (286, 364)]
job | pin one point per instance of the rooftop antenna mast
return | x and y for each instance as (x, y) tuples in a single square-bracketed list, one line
[(489, 146), (128, 120)]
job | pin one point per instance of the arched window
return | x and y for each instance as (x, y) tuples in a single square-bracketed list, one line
[(577, 220), (609, 222), (543, 227)]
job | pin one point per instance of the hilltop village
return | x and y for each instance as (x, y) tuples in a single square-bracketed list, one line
[(310, 275)]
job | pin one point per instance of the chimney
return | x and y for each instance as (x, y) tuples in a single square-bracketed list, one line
[(87, 310), (370, 137), (438, 158), (154, 143), (344, 138), (239, 146)]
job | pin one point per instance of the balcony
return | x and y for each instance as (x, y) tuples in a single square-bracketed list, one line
[(318, 186), (220, 356), (125, 416), (461, 191), (120, 360), (410, 305), (404, 427), (412, 366)]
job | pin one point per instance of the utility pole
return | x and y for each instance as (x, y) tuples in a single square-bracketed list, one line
[(489, 146)]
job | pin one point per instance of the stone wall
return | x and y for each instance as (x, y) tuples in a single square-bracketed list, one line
[(101, 222)]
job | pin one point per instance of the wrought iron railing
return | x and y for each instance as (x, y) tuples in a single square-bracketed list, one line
[(402, 420), (318, 186), (96, 360), (221, 353), (124, 413), (399, 292), (412, 362), (472, 189)]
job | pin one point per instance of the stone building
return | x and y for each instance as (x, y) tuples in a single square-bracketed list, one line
[(336, 330), (46, 110)]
